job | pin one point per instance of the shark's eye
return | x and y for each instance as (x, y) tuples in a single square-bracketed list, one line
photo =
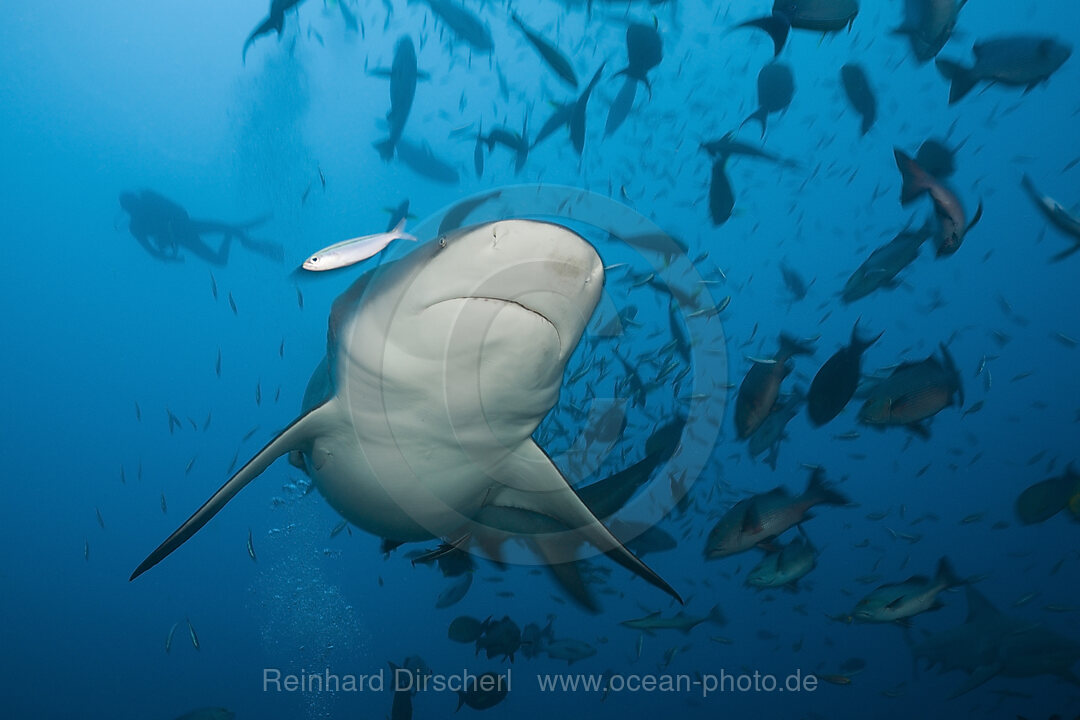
[(442, 241)]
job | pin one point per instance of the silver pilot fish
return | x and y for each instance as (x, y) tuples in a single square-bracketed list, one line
[(350, 252)]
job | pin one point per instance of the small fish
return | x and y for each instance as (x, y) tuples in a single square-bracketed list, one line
[(251, 547), (1064, 340), (191, 464), (338, 528), (191, 632), (86, 550), (169, 637), (213, 284), (164, 506), (1061, 608), (138, 412), (100, 521), (975, 407), (350, 252), (299, 297), (217, 365), (232, 303), (1025, 599), (258, 392), (835, 679)]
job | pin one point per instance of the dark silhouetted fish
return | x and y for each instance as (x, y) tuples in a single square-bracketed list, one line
[(794, 282), (1019, 61), (401, 708), (486, 691), (644, 51), (721, 196), (274, 22), (463, 23), (465, 629), (577, 118), (518, 143), (560, 117), (880, 269), (1047, 498), (761, 386), (818, 15), (420, 159), (403, 77), (776, 87), (928, 25), (835, 383), (937, 158), (914, 392), (478, 152), (859, 94), (1058, 216), (727, 146), (555, 59)]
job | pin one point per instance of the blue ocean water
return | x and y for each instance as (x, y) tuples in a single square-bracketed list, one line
[(106, 341)]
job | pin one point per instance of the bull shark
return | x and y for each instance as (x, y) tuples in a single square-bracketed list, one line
[(990, 644), (440, 366)]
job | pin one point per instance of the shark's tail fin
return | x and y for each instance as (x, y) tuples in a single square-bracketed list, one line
[(962, 78), (777, 25), (716, 616)]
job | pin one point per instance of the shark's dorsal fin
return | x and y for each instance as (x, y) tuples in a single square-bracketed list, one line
[(297, 436), (532, 482)]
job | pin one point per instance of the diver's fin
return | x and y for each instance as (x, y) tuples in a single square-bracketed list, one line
[(532, 482), (295, 437)]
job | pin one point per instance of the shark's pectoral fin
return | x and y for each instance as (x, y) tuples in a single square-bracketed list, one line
[(297, 436), (531, 482)]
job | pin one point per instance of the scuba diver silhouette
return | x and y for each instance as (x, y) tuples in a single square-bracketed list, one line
[(162, 228)]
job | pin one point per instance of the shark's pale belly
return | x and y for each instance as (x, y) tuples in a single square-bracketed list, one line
[(397, 503)]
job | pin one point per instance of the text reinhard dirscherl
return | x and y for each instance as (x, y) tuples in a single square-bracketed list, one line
[(408, 680)]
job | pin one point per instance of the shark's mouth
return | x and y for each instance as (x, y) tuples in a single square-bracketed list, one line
[(505, 301)]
